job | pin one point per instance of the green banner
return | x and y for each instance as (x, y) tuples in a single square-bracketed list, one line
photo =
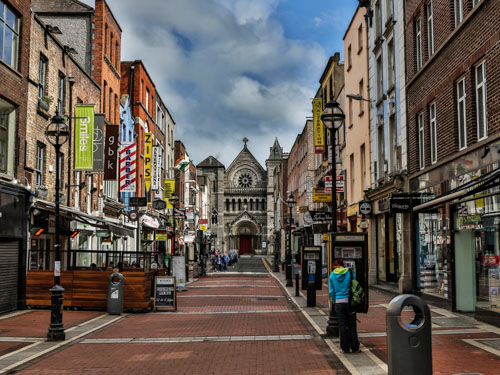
[(84, 137)]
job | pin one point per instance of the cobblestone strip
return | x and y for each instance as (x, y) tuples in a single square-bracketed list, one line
[(221, 312), (37, 349)]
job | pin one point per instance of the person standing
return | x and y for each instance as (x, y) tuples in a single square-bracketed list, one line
[(339, 287)]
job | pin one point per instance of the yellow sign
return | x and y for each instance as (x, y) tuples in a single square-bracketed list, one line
[(169, 188), (148, 148), (321, 196), (325, 237), (161, 236), (319, 136), (203, 228)]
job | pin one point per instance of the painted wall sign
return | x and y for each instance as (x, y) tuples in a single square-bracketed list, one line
[(148, 150), (111, 152), (84, 137)]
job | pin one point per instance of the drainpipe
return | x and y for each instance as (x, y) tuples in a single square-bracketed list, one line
[(70, 142)]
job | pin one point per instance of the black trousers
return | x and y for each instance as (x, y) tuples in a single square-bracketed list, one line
[(347, 326)]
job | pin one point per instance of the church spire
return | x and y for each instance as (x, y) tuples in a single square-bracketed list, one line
[(245, 140), (276, 151)]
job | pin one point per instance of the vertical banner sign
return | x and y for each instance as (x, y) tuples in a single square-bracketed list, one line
[(99, 142), (319, 136), (156, 177), (148, 145), (111, 152), (84, 137), (128, 166), (169, 188)]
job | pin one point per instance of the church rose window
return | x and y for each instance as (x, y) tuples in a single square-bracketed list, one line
[(245, 180)]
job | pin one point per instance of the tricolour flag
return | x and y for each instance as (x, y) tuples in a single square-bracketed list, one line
[(182, 163)]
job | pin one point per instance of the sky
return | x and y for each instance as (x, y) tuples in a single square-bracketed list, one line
[(229, 69)]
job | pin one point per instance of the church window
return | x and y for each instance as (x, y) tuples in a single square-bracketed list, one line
[(227, 204), (263, 204), (239, 204), (234, 205), (245, 205), (245, 180), (251, 204)]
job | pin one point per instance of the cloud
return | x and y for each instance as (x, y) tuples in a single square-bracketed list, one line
[(224, 69)]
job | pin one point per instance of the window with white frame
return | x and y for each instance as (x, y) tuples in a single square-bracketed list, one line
[(433, 132), (147, 100), (421, 140), (380, 141), (459, 11), (61, 91), (42, 77), (40, 163), (482, 119), (378, 20), (7, 136), (430, 29), (349, 57), (9, 36), (352, 181), (418, 43), (391, 71), (393, 143), (362, 155), (461, 116), (380, 78)]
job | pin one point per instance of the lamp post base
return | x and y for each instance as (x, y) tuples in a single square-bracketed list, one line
[(276, 267), (289, 281), (332, 329), (56, 328)]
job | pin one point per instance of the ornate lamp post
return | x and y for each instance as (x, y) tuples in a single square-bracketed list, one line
[(290, 202), (174, 201), (57, 134), (333, 117)]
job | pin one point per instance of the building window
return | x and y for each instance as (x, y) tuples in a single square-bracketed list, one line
[(418, 43), (462, 130), (350, 113), (61, 91), (393, 143), (421, 141), (106, 39), (459, 12), (40, 163), (9, 36), (352, 179), (380, 79), (380, 141), (360, 37), (378, 20), (432, 132), (389, 8), (349, 58), (391, 71), (361, 93), (430, 29), (7, 136), (363, 167), (147, 100), (110, 101), (104, 96), (111, 47), (117, 47), (482, 120), (42, 77), (115, 109)]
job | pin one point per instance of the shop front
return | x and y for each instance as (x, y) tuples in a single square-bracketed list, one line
[(457, 247)]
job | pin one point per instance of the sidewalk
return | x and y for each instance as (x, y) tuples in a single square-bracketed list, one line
[(460, 345)]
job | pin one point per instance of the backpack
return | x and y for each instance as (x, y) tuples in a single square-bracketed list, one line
[(357, 296)]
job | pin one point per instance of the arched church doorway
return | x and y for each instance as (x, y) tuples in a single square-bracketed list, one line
[(246, 232)]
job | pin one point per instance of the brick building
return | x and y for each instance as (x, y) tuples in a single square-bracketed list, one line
[(453, 96), (15, 21)]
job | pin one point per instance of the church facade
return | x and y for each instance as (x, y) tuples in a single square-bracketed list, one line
[(244, 204)]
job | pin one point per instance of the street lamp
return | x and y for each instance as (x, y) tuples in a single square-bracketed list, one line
[(333, 118), (57, 134), (290, 202), (174, 200)]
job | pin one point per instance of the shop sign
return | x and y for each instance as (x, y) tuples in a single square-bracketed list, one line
[(156, 177), (363, 224), (150, 222), (138, 201), (301, 209), (325, 237), (401, 205), (365, 208), (189, 238), (128, 167), (111, 152), (190, 215), (169, 188), (99, 142), (383, 204), (148, 149), (161, 236), (203, 221), (320, 215), (203, 227), (307, 218), (319, 133), (328, 184), (340, 186), (321, 196), (84, 137), (159, 204), (102, 233), (490, 260)]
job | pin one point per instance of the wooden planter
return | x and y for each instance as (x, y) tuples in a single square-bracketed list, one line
[(89, 289)]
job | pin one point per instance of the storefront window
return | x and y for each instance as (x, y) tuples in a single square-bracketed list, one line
[(381, 247), (433, 255), (477, 223)]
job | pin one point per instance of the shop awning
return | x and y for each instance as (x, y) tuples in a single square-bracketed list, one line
[(485, 182), (119, 231)]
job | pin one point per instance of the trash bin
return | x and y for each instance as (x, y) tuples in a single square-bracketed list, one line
[(409, 344), (116, 282)]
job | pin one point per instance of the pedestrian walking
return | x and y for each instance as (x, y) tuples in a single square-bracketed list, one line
[(219, 263), (225, 261), (339, 288)]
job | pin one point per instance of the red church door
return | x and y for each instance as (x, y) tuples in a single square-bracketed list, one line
[(245, 244)]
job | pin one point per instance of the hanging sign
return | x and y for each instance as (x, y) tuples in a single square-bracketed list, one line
[(168, 190), (128, 167), (111, 152), (340, 184), (148, 149), (365, 208), (319, 136), (98, 142), (328, 184), (84, 137), (156, 177), (321, 196)]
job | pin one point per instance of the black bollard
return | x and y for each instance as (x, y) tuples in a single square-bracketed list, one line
[(311, 294), (297, 293)]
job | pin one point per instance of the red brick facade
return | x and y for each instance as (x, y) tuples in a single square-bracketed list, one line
[(457, 52), (14, 85)]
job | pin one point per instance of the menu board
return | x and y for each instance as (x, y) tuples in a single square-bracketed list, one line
[(165, 297)]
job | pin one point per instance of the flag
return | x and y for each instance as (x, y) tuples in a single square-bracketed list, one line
[(182, 163)]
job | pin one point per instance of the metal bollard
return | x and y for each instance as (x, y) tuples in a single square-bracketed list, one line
[(409, 345), (116, 283), (297, 293)]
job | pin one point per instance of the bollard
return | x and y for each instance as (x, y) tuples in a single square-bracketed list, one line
[(115, 293), (311, 291), (297, 293), (409, 345)]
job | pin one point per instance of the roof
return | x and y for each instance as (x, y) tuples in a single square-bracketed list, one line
[(210, 162), (276, 151), (60, 6)]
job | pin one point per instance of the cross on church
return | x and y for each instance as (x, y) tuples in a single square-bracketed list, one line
[(245, 140)]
